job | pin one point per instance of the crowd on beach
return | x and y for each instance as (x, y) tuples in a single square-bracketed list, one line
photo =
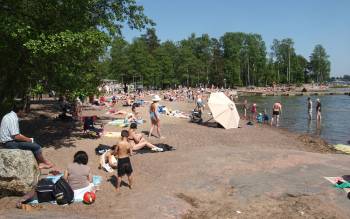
[(117, 157)]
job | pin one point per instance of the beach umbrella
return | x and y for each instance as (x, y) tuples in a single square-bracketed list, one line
[(224, 110)]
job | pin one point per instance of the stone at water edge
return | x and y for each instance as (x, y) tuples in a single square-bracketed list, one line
[(18, 172)]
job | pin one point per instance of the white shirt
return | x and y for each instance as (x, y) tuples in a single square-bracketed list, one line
[(9, 127)]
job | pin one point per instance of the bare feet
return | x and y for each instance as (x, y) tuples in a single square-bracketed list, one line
[(45, 166), (130, 186), (117, 189), (55, 172)]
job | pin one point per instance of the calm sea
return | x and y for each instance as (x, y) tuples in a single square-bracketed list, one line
[(335, 125)]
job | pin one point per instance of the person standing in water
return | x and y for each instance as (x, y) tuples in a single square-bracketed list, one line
[(245, 108), (318, 110), (253, 111), (276, 111), (309, 107)]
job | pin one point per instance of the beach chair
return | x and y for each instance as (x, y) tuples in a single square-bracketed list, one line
[(89, 126)]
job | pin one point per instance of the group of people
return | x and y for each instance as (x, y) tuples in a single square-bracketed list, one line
[(277, 110)]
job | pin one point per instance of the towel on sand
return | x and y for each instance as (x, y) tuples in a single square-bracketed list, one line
[(343, 147), (112, 134), (79, 193), (338, 181)]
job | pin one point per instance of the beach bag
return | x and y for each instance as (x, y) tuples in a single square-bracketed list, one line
[(44, 190), (101, 149), (63, 193)]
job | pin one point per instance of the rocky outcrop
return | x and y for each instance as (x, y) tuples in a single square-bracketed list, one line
[(18, 172)]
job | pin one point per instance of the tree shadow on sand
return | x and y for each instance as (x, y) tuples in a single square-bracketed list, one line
[(48, 131)]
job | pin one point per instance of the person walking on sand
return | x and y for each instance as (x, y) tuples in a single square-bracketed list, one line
[(276, 111), (154, 116), (318, 110), (309, 107), (123, 151), (11, 137)]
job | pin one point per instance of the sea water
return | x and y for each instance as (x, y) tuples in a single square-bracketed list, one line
[(335, 123)]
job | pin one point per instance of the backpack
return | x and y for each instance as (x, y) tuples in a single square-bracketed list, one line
[(44, 190), (63, 193)]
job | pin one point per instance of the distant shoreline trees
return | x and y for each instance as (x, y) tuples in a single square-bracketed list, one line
[(235, 59)]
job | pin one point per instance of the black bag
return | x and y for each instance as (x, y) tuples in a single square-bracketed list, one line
[(63, 193), (44, 190), (101, 149)]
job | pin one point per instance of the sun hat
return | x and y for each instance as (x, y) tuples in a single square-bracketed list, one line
[(318, 100), (156, 98)]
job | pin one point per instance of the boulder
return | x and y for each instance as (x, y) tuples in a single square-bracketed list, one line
[(18, 172)]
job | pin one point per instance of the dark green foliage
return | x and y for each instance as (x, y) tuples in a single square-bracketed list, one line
[(58, 44), (236, 59)]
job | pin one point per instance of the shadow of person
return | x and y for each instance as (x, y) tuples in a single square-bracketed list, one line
[(113, 180), (145, 132)]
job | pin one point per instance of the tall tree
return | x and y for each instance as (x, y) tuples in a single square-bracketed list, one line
[(120, 65), (320, 64), (59, 42), (151, 39)]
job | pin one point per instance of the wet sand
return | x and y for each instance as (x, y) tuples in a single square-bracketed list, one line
[(249, 172)]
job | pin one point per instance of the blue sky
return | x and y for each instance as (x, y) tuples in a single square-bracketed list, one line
[(307, 22)]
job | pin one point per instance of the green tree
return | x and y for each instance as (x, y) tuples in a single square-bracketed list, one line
[(59, 42), (119, 67), (166, 58), (320, 64), (232, 44)]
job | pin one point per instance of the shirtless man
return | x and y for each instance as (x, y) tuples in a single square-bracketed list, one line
[(124, 151), (276, 111), (137, 141)]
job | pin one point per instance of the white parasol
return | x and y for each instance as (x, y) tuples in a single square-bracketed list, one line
[(224, 110)]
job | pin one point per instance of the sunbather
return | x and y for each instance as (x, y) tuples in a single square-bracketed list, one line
[(138, 141), (108, 160)]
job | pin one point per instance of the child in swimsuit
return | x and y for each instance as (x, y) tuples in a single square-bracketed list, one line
[(124, 151)]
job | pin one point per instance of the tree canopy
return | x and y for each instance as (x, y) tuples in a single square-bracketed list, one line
[(235, 59), (59, 43)]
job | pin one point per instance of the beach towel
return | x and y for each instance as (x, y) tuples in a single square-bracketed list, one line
[(165, 147), (119, 123), (124, 123), (343, 148), (112, 134), (96, 182), (339, 182)]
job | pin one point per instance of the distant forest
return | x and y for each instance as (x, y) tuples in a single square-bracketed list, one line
[(235, 59)]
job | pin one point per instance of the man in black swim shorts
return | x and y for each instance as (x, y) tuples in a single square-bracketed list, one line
[(123, 151)]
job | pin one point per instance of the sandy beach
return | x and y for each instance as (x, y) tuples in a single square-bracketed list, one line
[(249, 172)]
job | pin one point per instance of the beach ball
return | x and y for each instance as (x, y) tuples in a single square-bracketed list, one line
[(89, 198)]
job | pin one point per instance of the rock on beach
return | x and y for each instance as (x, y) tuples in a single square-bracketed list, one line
[(18, 172)]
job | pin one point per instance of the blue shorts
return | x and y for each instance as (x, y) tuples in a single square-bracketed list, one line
[(34, 147)]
